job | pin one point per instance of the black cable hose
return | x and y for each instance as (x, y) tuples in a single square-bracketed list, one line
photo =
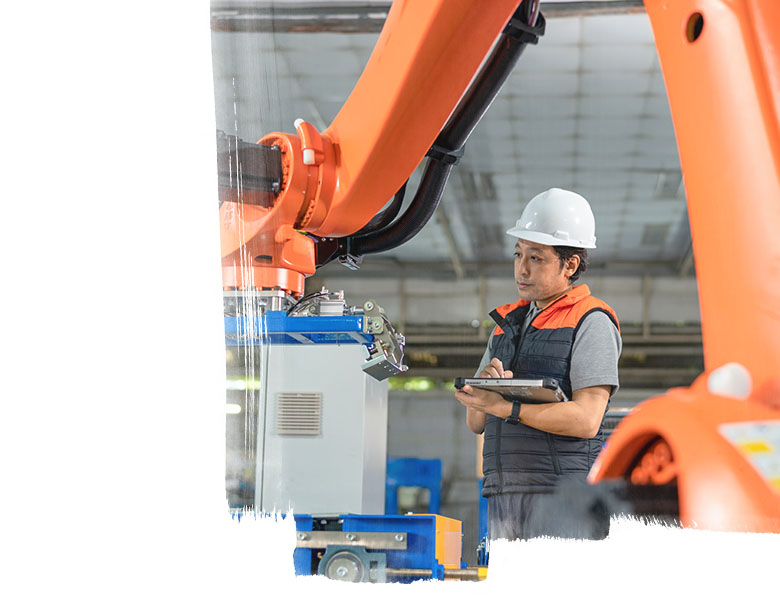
[(454, 135), (420, 211), (480, 97), (384, 218), (530, 11)]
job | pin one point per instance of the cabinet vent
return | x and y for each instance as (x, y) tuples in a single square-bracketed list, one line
[(299, 413)]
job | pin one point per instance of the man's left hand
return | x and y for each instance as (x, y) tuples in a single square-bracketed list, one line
[(484, 401)]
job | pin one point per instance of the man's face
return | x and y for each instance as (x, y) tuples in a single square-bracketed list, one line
[(538, 272)]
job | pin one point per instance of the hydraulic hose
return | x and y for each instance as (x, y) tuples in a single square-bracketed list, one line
[(420, 211), (384, 218)]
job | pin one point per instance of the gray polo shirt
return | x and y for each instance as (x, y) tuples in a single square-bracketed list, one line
[(594, 355)]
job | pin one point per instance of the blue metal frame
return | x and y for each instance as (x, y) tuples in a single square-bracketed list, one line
[(275, 327), (302, 556), (420, 551)]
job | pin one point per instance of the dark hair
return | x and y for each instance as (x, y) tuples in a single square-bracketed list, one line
[(566, 252)]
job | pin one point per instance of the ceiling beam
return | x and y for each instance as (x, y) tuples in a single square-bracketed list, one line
[(587, 8), (363, 17)]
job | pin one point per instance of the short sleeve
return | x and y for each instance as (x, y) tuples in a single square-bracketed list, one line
[(595, 353), (486, 356)]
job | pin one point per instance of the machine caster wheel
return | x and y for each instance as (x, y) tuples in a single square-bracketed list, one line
[(353, 563)]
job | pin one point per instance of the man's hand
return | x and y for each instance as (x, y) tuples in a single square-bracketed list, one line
[(480, 403), (495, 370)]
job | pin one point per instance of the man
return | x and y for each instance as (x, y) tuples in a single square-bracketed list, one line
[(558, 330)]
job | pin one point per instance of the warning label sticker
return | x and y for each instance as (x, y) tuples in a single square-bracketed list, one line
[(759, 442)]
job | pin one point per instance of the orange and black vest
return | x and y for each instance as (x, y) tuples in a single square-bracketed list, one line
[(519, 458)]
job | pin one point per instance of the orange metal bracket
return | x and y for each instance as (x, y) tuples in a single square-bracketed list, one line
[(336, 180), (717, 488)]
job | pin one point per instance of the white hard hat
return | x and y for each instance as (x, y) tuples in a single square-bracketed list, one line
[(557, 218)]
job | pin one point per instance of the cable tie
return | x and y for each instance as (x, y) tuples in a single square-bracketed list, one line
[(445, 156), (523, 32)]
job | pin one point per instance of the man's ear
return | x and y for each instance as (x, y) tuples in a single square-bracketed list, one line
[(572, 264)]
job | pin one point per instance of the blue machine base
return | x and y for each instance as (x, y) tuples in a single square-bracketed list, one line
[(421, 541)]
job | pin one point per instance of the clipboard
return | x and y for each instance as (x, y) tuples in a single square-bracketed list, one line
[(530, 391)]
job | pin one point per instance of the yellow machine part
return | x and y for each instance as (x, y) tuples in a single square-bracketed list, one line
[(449, 534)]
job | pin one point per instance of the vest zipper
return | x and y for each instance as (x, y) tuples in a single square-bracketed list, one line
[(553, 454)]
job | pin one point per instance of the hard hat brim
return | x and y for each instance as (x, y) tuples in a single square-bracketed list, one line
[(547, 239)]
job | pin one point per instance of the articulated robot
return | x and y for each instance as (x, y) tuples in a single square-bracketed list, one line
[(294, 202)]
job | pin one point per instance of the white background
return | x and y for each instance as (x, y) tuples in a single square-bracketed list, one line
[(112, 445)]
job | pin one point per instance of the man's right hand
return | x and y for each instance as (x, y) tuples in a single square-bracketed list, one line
[(495, 370), (476, 417)]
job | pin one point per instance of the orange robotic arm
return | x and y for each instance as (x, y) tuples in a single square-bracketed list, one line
[(721, 64), (334, 182)]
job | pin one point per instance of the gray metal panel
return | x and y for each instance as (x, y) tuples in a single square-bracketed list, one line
[(374, 444)]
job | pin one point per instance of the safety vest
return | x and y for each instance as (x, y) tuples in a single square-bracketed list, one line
[(519, 458)]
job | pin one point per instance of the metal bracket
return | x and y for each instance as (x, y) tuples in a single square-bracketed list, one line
[(371, 540), (351, 261), (386, 354)]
